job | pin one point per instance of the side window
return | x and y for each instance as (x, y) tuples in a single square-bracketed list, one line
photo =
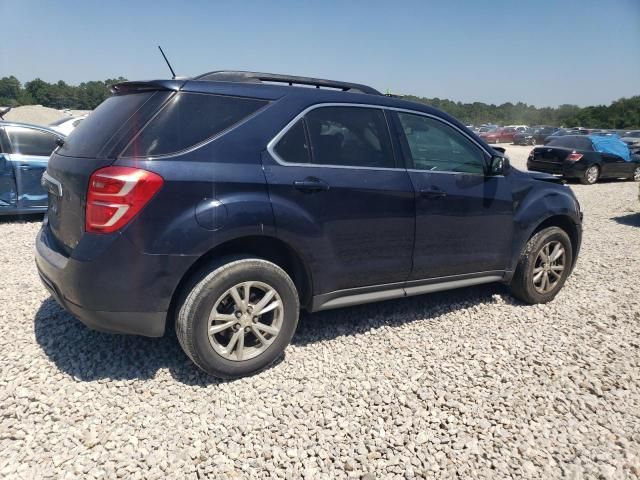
[(293, 147), (27, 141), (438, 147), (350, 136)]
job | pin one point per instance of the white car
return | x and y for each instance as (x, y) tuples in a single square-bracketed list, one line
[(67, 124)]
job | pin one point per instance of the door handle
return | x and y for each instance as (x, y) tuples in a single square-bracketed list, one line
[(432, 193), (311, 184), (24, 166)]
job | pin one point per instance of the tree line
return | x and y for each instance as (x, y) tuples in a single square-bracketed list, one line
[(621, 114), (86, 96)]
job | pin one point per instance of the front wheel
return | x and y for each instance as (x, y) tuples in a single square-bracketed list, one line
[(543, 267), (236, 319), (590, 175)]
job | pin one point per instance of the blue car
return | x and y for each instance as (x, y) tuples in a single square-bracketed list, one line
[(227, 202), (24, 153)]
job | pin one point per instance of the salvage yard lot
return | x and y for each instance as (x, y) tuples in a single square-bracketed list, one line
[(469, 381)]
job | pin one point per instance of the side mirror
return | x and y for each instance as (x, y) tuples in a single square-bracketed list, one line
[(498, 166)]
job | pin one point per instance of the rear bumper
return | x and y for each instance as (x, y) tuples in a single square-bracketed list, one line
[(148, 324), (566, 169), (120, 290)]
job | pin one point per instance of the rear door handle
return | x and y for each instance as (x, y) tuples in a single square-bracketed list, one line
[(432, 193), (311, 184)]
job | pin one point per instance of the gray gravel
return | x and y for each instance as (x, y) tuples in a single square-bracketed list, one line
[(469, 382)]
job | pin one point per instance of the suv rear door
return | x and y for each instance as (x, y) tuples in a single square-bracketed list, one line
[(340, 196), (464, 218)]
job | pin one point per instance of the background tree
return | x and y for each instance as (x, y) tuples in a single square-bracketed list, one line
[(621, 114)]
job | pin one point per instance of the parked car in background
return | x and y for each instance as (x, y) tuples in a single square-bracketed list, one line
[(632, 139), (585, 157), (519, 128), (526, 137), (561, 132), (24, 153), (231, 200), (499, 135), (66, 125), (486, 128)]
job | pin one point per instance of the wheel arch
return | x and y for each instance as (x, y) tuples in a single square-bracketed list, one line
[(565, 223), (266, 247)]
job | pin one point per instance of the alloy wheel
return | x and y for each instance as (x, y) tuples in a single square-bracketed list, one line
[(548, 267), (592, 174), (636, 174), (245, 320)]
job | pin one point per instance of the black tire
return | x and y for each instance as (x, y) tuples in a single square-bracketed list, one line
[(202, 293), (522, 284), (585, 180)]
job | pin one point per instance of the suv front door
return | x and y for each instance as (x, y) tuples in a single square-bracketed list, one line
[(464, 218), (8, 195), (341, 197), (30, 151)]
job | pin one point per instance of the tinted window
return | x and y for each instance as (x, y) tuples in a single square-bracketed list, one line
[(579, 143), (350, 136), (438, 147), (293, 147), (115, 115), (28, 141), (189, 119)]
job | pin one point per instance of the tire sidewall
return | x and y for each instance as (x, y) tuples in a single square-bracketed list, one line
[(531, 254), (212, 287)]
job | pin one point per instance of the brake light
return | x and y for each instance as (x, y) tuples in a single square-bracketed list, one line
[(116, 195), (574, 157)]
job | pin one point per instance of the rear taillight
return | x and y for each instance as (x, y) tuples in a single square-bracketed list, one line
[(116, 195), (574, 157)]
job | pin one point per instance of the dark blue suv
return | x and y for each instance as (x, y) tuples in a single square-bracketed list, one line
[(229, 201)]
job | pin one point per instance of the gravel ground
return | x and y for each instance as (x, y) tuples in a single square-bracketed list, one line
[(39, 115), (468, 383)]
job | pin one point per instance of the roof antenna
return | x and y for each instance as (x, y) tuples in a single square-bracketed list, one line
[(168, 64)]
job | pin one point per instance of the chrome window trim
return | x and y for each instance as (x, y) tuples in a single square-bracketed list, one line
[(274, 141)]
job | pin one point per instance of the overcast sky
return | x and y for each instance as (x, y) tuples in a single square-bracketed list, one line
[(544, 52)]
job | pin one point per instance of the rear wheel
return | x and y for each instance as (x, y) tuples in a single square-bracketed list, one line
[(590, 175), (543, 267), (238, 318), (636, 175)]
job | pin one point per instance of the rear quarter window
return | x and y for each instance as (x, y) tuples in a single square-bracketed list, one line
[(120, 114), (189, 119)]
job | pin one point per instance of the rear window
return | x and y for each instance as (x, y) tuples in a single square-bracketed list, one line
[(579, 143), (189, 119), (112, 116)]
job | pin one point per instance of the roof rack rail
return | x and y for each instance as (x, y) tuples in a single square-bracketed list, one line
[(258, 77)]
